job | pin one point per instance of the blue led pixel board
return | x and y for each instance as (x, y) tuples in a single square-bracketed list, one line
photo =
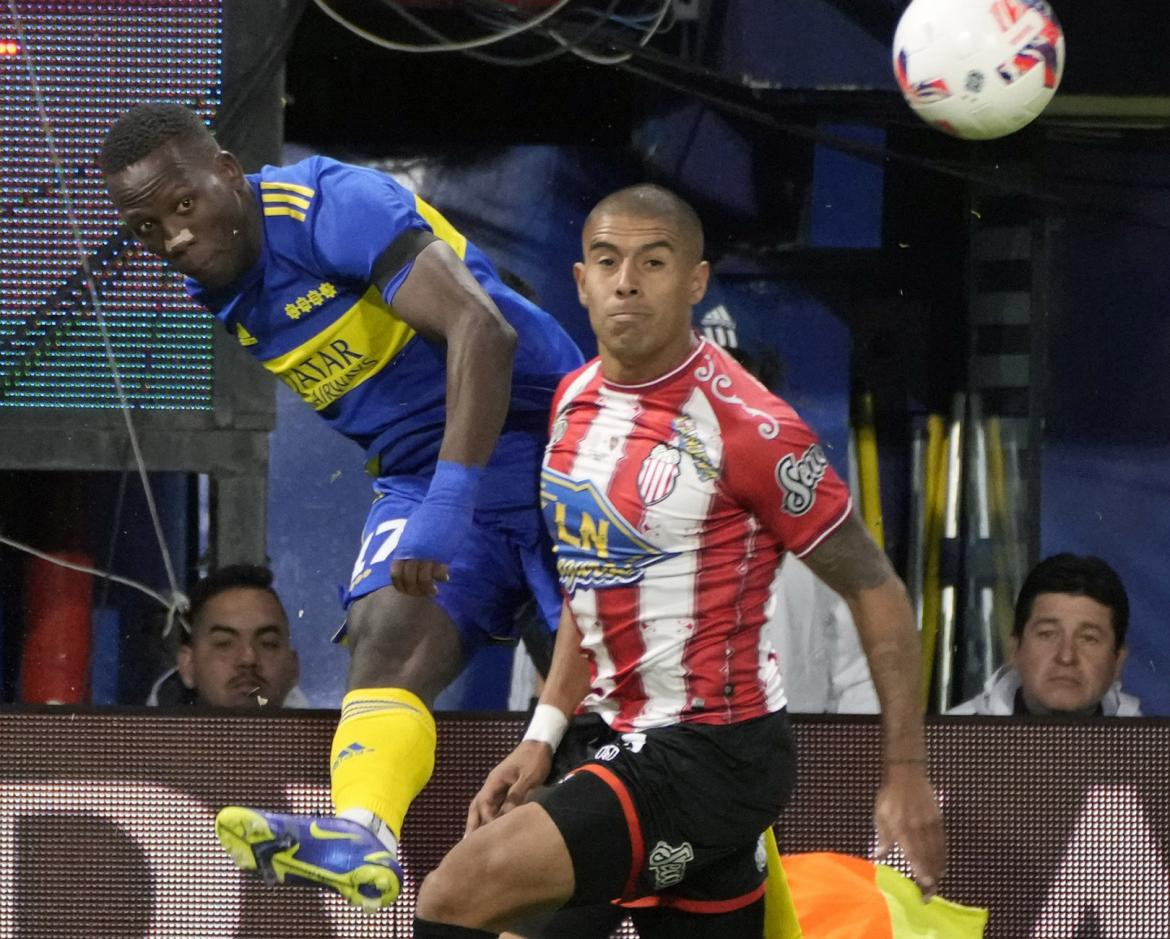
[(93, 61)]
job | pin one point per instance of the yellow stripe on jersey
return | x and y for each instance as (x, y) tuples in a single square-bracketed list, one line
[(443, 229), (271, 198), (354, 348), (285, 210), (245, 337), (290, 187)]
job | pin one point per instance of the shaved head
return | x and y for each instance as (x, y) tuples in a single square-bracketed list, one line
[(648, 201)]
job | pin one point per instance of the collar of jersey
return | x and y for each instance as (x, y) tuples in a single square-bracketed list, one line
[(661, 379)]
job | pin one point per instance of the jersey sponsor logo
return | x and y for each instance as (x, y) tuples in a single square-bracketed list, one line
[(669, 864), (595, 546), (692, 445), (352, 349), (798, 479), (658, 473)]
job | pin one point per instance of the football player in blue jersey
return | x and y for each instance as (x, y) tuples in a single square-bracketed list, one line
[(398, 331)]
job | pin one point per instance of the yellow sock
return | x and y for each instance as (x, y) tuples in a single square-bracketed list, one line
[(383, 753)]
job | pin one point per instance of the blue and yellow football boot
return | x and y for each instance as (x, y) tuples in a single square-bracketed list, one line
[(301, 850)]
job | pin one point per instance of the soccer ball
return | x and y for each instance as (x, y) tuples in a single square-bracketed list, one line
[(978, 69)]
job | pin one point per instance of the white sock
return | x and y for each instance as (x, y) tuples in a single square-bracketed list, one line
[(374, 825)]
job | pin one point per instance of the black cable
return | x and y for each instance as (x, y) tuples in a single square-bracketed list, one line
[(538, 58)]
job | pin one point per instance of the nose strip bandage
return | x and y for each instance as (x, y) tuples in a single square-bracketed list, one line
[(179, 240)]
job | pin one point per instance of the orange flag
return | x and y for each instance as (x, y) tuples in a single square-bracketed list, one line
[(836, 896)]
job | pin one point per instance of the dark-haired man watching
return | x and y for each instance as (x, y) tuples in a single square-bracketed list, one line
[(238, 652), (1068, 645)]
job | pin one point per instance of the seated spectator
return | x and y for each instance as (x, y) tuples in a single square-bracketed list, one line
[(1068, 645), (238, 652)]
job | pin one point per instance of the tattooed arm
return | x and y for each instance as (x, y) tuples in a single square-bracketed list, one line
[(853, 565), (905, 812)]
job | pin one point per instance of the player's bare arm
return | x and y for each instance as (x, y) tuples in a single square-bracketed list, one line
[(526, 767), (442, 301), (906, 811)]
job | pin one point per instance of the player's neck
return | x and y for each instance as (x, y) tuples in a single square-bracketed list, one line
[(643, 371)]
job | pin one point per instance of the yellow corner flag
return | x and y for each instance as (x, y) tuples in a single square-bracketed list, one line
[(780, 918)]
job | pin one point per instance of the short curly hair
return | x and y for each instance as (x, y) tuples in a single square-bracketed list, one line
[(145, 128)]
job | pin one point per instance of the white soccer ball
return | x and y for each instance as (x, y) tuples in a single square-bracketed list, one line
[(978, 69)]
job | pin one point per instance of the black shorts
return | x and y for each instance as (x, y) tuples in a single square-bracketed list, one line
[(673, 816)]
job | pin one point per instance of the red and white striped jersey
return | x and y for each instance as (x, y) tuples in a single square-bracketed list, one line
[(670, 505)]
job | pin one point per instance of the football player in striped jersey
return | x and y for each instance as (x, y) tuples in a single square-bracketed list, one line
[(673, 483)]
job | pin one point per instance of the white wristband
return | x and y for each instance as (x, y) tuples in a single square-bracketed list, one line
[(548, 725)]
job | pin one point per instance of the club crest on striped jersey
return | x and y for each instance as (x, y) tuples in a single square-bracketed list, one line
[(659, 473), (595, 546)]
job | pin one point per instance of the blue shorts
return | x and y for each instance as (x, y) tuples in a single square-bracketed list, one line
[(505, 560)]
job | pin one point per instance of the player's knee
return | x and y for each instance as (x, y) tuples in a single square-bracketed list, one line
[(479, 883), (450, 893), (437, 901)]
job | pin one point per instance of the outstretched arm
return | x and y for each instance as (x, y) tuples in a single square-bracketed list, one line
[(442, 301), (905, 811)]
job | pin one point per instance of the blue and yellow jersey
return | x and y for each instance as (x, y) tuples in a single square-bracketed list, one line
[(309, 312)]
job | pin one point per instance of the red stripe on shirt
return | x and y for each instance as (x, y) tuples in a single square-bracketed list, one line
[(621, 605)]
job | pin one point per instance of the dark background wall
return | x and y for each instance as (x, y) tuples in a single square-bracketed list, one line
[(832, 194), (781, 123)]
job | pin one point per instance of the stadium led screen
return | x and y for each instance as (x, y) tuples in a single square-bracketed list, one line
[(1061, 830), (68, 68)]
